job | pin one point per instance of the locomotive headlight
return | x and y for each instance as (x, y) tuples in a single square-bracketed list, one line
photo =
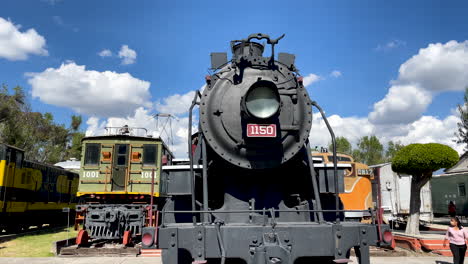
[(262, 100)]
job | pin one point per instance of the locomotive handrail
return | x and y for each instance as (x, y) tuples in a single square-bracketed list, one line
[(335, 169), (192, 180), (314, 182)]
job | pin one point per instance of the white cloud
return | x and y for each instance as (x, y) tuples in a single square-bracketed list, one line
[(439, 67), (390, 45), (310, 79), (127, 55), (402, 104), (17, 45), (352, 128), (426, 129), (105, 53), (175, 104), (335, 74), (436, 68), (90, 92)]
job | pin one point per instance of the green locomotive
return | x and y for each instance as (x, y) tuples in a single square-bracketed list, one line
[(448, 188), (120, 184)]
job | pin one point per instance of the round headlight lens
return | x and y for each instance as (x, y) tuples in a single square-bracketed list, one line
[(262, 102)]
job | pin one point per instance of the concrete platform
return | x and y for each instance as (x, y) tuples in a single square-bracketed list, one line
[(130, 260)]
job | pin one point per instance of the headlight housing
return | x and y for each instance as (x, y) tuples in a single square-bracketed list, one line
[(262, 100)]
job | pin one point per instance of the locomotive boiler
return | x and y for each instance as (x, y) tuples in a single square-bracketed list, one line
[(252, 192)]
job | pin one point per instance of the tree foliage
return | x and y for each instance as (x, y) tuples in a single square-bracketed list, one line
[(342, 146), (369, 151), (416, 159), (392, 149), (462, 133), (42, 139)]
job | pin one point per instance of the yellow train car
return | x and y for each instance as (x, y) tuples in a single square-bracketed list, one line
[(33, 193), (358, 185)]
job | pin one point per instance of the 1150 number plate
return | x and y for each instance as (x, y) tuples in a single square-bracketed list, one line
[(255, 130)]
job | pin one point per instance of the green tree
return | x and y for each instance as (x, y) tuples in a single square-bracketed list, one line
[(342, 146), (392, 149), (76, 136), (462, 133), (420, 161), (36, 133), (369, 151)]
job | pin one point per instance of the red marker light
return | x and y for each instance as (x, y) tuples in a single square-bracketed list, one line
[(300, 79)]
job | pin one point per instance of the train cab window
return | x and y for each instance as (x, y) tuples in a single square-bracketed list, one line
[(2, 152), (122, 155), (461, 189), (92, 154), (339, 158), (149, 154), (11, 155), (19, 159)]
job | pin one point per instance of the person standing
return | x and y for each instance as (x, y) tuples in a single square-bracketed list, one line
[(452, 209), (458, 237)]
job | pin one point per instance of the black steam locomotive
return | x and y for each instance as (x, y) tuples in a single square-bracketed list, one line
[(252, 193)]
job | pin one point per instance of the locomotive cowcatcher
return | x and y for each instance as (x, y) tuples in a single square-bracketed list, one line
[(252, 193)]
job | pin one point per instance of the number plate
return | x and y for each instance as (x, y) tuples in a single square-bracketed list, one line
[(254, 130)]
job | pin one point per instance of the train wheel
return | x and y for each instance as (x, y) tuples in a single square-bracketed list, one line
[(82, 238), (127, 238)]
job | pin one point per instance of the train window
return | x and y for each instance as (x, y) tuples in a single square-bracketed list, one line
[(339, 158), (461, 189), (122, 149), (121, 160), (2, 152), (149, 154), (92, 154), (19, 159), (12, 155)]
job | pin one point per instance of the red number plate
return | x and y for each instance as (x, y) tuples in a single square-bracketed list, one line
[(254, 130)]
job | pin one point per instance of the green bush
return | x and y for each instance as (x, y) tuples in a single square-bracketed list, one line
[(422, 158)]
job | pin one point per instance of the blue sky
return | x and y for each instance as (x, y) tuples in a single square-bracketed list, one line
[(365, 41)]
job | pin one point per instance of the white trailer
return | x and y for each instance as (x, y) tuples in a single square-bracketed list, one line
[(395, 191)]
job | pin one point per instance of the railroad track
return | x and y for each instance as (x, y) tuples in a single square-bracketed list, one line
[(8, 237), (100, 248)]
